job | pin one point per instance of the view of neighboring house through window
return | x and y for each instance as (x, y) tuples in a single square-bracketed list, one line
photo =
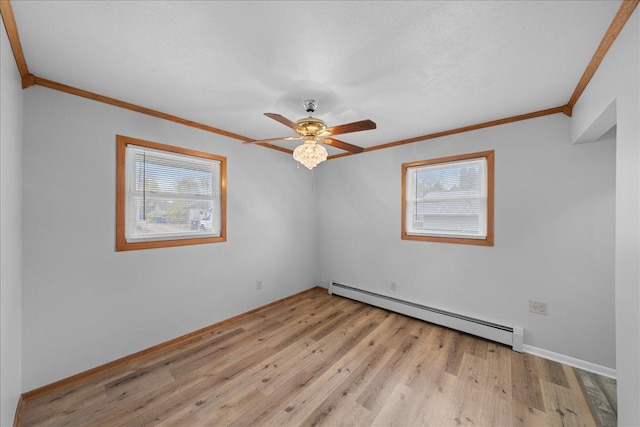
[(449, 199), (168, 196)]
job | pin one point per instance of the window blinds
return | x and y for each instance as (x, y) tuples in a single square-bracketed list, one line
[(170, 195)]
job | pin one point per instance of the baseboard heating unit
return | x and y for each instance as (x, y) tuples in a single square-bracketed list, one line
[(509, 335)]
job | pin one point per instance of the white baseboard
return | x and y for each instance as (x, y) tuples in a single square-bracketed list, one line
[(571, 361)]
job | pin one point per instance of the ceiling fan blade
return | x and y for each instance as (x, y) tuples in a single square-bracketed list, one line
[(284, 138), (282, 119), (342, 145), (351, 127)]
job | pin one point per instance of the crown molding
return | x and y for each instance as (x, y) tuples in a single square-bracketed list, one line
[(133, 107), (469, 128), (622, 16), (14, 40)]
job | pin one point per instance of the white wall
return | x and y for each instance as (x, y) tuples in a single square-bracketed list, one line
[(10, 227), (554, 235), (617, 80), (86, 304)]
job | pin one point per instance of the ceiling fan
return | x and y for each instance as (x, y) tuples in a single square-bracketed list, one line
[(314, 132)]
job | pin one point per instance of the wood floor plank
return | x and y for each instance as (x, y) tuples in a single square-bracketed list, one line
[(272, 370), (343, 399), (564, 409), (331, 409), (319, 359), (526, 384), (298, 408), (441, 407), (307, 353), (601, 393), (467, 394), (497, 398), (233, 407), (402, 407), (455, 354), (325, 352), (274, 404), (429, 364), (556, 373), (155, 414), (373, 397), (335, 323)]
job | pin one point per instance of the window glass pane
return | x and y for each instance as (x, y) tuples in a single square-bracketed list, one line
[(172, 218), (447, 199)]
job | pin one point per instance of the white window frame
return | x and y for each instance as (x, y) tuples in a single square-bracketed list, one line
[(128, 219), (484, 198)]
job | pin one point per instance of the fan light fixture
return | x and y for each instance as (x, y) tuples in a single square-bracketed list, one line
[(314, 134), (310, 154)]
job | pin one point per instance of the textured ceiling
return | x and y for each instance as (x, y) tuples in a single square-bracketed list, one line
[(412, 67)]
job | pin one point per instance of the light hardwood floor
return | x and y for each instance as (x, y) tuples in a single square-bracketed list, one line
[(324, 360)]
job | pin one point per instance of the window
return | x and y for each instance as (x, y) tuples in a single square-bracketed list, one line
[(449, 200), (168, 196)]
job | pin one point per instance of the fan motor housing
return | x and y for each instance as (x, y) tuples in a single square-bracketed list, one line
[(310, 126)]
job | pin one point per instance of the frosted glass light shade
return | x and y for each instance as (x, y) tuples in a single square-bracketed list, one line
[(310, 154)]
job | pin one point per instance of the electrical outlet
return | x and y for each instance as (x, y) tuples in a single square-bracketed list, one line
[(259, 284), (393, 286), (538, 307)]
